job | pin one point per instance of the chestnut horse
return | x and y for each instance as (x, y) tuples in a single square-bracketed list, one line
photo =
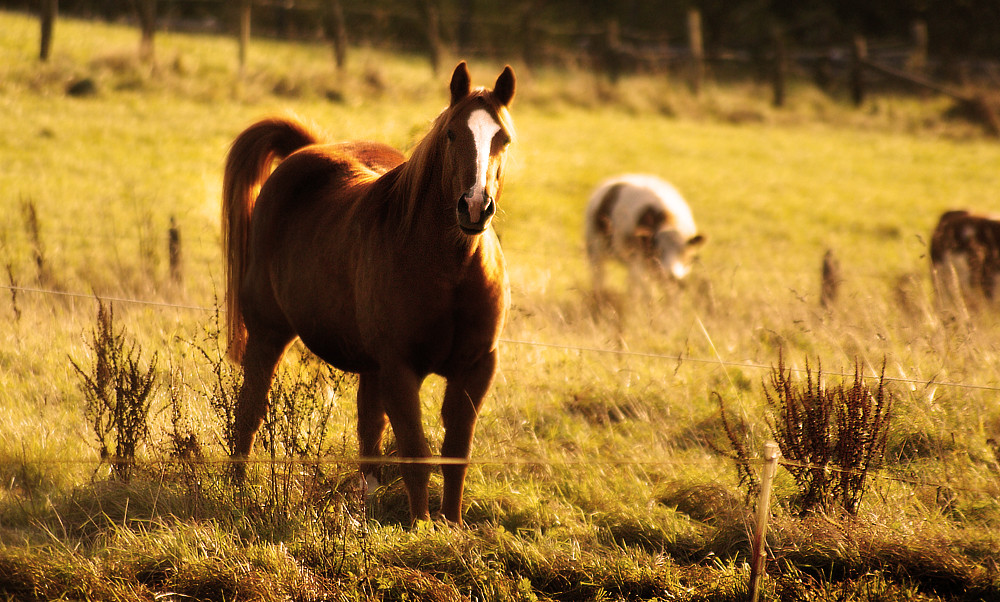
[(382, 266)]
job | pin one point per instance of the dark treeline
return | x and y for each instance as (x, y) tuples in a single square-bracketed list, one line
[(955, 29)]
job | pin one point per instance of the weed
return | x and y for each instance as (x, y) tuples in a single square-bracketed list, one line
[(223, 388), (118, 393), (31, 225), (830, 437), (13, 293), (747, 478), (185, 447), (301, 402)]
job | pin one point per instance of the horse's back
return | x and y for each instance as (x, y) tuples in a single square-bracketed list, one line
[(304, 245), (376, 156)]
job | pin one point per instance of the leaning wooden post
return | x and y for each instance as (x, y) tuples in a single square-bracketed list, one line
[(759, 554), (697, 48), (244, 33), (50, 8)]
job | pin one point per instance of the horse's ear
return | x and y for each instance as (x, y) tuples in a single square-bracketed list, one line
[(504, 88), (461, 83)]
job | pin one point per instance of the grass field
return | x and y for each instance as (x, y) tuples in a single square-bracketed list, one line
[(602, 470)]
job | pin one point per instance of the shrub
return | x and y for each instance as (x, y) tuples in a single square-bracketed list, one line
[(830, 436)]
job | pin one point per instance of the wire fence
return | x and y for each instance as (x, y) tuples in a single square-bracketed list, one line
[(507, 461), (881, 474), (677, 359)]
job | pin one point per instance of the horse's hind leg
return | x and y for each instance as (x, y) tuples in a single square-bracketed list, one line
[(463, 397), (259, 361), (399, 390), (371, 427)]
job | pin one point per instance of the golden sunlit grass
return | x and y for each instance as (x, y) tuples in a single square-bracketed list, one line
[(601, 465)]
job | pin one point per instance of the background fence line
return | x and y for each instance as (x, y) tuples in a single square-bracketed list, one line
[(601, 46), (577, 253)]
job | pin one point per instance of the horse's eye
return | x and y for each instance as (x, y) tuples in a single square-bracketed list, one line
[(451, 135)]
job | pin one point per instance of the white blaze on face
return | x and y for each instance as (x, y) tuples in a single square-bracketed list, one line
[(483, 128)]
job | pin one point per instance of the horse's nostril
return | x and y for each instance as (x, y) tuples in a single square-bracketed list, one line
[(476, 210)]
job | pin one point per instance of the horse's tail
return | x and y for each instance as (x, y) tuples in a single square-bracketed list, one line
[(248, 165)]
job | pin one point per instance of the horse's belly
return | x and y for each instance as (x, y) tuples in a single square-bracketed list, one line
[(342, 356)]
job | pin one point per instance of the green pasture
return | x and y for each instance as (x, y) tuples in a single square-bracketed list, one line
[(602, 470)]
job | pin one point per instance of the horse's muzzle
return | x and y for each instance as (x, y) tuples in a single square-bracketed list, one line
[(474, 215)]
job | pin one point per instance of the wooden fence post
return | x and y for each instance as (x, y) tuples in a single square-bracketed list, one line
[(337, 32), (174, 252), (147, 22), (759, 554), (611, 51), (918, 55), (830, 273), (431, 15), (780, 65), (13, 294), (50, 9), (697, 49), (859, 56), (244, 33)]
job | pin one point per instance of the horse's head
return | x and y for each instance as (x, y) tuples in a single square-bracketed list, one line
[(477, 130)]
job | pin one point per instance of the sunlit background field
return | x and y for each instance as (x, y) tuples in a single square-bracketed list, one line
[(602, 469)]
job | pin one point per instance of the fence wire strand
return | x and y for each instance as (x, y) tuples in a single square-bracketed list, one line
[(678, 358), (440, 461), (287, 462)]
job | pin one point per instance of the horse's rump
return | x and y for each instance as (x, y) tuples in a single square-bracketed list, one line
[(306, 161)]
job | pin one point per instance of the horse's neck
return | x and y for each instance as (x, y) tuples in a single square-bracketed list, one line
[(414, 206)]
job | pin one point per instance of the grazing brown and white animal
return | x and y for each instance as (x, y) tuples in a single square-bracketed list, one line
[(643, 222), (965, 253), (382, 266)]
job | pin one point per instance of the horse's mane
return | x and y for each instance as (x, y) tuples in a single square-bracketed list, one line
[(425, 160)]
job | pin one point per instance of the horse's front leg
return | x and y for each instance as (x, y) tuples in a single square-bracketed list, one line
[(463, 397), (399, 391), (371, 427)]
